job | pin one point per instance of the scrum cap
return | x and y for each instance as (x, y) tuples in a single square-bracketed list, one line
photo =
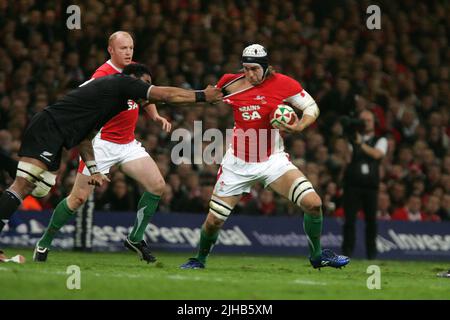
[(256, 53)]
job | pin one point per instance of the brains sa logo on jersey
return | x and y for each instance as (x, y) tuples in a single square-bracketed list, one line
[(132, 105)]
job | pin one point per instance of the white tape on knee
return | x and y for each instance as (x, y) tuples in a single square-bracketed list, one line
[(44, 185), (219, 208), (29, 171), (299, 189)]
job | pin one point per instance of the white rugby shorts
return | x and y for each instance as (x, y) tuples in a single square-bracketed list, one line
[(109, 153), (236, 176)]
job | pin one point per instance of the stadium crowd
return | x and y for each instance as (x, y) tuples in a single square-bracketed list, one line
[(400, 72)]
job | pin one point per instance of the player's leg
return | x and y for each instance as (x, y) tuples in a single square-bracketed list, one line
[(232, 181), (67, 208), (295, 186), (219, 210), (145, 171), (64, 212), (29, 171)]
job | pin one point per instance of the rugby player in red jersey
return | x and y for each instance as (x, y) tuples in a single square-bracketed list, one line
[(257, 154), (115, 144)]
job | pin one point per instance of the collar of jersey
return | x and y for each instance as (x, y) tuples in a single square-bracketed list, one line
[(234, 93), (112, 65)]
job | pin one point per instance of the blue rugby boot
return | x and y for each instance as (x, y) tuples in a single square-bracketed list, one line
[(329, 259), (193, 263)]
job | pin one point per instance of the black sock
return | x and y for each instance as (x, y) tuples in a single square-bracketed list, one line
[(9, 203)]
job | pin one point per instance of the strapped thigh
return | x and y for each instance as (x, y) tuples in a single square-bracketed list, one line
[(44, 185), (29, 171), (41, 178), (219, 208), (299, 189)]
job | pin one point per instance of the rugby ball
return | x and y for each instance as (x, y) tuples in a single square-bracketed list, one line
[(282, 114)]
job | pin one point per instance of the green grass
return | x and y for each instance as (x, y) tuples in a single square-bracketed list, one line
[(123, 276)]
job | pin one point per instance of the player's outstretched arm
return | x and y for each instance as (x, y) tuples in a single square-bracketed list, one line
[(178, 95)]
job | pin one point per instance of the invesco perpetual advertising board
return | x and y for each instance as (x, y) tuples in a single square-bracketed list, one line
[(241, 234)]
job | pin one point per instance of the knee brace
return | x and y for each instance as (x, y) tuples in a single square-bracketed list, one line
[(219, 208), (44, 185), (29, 171), (42, 179), (299, 189)]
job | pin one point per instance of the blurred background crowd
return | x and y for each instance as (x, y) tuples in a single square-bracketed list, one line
[(400, 72)]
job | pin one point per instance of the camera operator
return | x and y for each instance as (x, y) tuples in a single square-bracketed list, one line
[(361, 180)]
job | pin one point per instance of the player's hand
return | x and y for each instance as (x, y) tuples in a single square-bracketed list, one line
[(97, 179), (291, 128), (213, 94), (166, 125)]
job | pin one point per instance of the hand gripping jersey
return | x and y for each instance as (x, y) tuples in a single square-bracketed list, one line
[(254, 139), (119, 129)]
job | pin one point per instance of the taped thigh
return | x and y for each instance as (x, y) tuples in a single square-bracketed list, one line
[(219, 208), (299, 189), (29, 171), (44, 185)]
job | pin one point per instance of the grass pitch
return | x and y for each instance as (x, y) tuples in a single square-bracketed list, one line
[(123, 276)]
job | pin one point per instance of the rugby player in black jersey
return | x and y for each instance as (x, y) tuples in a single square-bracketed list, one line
[(74, 120)]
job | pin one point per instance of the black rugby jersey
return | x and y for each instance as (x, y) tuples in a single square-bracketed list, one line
[(94, 103)]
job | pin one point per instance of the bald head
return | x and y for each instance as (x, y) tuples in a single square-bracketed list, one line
[(118, 35), (120, 47)]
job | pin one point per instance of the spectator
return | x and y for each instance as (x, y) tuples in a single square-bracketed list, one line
[(431, 210), (398, 194), (444, 211), (200, 204), (409, 212), (384, 205), (344, 67), (118, 198), (263, 205)]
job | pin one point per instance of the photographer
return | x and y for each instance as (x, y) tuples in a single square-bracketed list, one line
[(361, 179)]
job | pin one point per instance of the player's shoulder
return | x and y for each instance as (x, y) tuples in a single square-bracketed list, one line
[(279, 77), (227, 78), (105, 69), (287, 83)]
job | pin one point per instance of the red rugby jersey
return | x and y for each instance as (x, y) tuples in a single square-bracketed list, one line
[(254, 139), (119, 129)]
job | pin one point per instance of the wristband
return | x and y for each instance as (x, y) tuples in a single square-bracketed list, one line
[(92, 166), (200, 96)]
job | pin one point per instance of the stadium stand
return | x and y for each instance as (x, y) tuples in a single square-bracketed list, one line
[(401, 74)]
